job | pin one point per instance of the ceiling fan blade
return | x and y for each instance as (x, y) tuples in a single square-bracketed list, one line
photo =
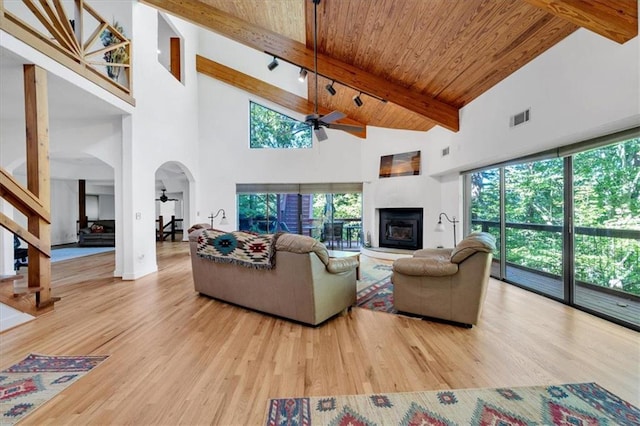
[(332, 116), (346, 127), (321, 134)]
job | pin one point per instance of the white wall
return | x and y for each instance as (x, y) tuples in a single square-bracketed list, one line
[(163, 127), (585, 86), (225, 157), (403, 191)]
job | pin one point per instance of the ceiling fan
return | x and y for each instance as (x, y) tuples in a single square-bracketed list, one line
[(163, 198), (316, 121)]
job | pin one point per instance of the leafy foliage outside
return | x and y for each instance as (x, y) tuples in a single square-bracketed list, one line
[(606, 195), (345, 206), (270, 129)]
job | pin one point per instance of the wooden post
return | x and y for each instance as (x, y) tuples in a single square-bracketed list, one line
[(160, 228), (173, 228), (38, 178)]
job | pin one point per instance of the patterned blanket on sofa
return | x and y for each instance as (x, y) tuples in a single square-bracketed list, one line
[(240, 248)]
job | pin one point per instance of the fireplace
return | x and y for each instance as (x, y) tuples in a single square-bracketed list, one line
[(401, 228)]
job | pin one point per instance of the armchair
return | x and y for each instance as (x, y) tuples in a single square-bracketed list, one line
[(447, 284)]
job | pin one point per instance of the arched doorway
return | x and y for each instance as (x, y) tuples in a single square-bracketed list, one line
[(174, 200)]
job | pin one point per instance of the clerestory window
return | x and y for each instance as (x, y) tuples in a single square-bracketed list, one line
[(271, 129)]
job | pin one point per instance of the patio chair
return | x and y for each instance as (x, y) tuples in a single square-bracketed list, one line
[(332, 233)]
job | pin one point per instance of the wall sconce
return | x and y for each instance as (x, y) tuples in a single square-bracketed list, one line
[(223, 221), (440, 225), (273, 64)]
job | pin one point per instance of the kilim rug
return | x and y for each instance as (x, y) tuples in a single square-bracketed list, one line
[(36, 379), (375, 290), (568, 404)]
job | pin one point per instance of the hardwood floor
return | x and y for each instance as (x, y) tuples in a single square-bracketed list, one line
[(180, 358)]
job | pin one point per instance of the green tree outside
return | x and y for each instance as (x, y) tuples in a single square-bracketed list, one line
[(606, 194)]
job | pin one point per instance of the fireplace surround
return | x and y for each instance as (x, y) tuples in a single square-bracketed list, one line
[(401, 228)]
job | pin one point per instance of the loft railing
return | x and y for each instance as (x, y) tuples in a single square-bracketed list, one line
[(76, 40)]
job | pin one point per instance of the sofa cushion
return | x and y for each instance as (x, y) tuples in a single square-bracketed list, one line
[(474, 242), (419, 266)]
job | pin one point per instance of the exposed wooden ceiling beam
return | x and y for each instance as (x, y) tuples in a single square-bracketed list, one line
[(298, 54), (266, 90), (616, 20)]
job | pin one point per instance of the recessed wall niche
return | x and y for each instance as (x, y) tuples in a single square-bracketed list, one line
[(169, 47)]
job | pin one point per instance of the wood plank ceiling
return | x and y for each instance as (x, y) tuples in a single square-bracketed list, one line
[(427, 57)]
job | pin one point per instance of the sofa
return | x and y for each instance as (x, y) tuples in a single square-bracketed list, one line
[(445, 284), (303, 283), (101, 233)]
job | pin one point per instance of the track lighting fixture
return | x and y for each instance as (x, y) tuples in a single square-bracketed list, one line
[(303, 75), (357, 100), (330, 88), (273, 64)]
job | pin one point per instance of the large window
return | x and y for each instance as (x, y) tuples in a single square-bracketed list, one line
[(569, 224), (331, 213), (270, 129)]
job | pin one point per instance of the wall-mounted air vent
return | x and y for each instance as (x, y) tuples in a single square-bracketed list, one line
[(520, 118), (445, 151)]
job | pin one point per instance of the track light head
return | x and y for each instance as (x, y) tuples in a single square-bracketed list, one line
[(273, 64), (357, 100), (303, 75), (330, 89)]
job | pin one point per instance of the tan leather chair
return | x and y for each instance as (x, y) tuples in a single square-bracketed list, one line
[(447, 284)]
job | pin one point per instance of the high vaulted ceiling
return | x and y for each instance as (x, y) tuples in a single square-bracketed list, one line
[(425, 58)]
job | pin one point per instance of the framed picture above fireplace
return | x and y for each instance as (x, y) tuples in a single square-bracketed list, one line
[(403, 164)]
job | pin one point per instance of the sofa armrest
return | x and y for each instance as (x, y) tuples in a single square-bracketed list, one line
[(420, 266), (342, 264)]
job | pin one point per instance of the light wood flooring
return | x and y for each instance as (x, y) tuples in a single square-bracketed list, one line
[(180, 358)]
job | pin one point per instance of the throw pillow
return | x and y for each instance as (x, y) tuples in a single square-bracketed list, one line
[(97, 229)]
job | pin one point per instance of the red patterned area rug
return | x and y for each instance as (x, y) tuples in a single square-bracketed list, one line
[(568, 404), (375, 290), (36, 379)]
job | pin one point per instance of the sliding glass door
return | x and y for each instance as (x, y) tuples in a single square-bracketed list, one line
[(485, 210), (568, 224), (334, 218), (534, 225), (606, 193)]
